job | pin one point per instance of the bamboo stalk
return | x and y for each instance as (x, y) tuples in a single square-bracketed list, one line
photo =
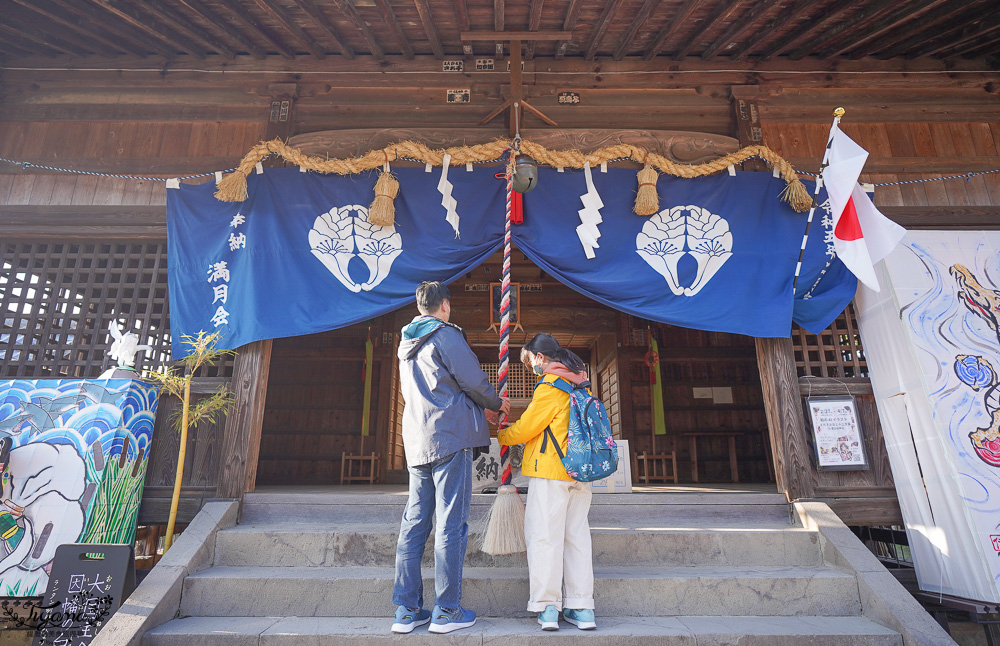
[(175, 499)]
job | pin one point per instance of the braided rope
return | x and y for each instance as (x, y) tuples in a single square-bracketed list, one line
[(26, 165), (504, 366), (233, 187)]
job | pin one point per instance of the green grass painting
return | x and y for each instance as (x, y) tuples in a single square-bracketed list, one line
[(15, 590), (115, 507)]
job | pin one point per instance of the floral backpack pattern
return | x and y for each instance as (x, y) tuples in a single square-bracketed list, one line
[(591, 451)]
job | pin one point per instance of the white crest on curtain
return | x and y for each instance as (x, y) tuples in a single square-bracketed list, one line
[(343, 233), (590, 215), (685, 230)]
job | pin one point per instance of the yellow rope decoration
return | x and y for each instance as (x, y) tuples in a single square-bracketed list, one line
[(233, 187)]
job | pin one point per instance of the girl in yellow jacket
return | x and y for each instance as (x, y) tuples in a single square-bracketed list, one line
[(556, 529)]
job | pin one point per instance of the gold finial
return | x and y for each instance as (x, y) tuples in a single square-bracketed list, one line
[(839, 112)]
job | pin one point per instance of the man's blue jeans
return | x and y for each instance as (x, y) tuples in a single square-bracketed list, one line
[(444, 488)]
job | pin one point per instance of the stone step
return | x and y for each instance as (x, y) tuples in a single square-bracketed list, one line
[(617, 510), (611, 631), (365, 545), (503, 592)]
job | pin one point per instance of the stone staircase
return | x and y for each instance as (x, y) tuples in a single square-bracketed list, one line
[(311, 569)]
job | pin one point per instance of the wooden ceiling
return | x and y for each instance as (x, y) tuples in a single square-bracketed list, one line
[(666, 30)]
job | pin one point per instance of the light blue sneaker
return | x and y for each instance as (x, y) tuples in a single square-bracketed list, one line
[(582, 619), (549, 618), (407, 619), (444, 620)]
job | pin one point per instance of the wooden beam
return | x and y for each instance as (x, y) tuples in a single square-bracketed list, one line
[(120, 30), (746, 117), (12, 50), (835, 386), (110, 222), (324, 23), (984, 27), (240, 13), (864, 511), (288, 23), (506, 36), (48, 42), (131, 112), (572, 15), (223, 30), (855, 36), (534, 22), (601, 30), (516, 89), (893, 165), (390, 19), (944, 217), (427, 20), (112, 47), (723, 11), (241, 438), (347, 8), (903, 38), (772, 28), (462, 13), (498, 15), (806, 30), (645, 11), (151, 25), (156, 511), (981, 48), (683, 13), (185, 26), (739, 27)]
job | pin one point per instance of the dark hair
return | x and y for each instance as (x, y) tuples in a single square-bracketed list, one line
[(547, 345), (430, 295)]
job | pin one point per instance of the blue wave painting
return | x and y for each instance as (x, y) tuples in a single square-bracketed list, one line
[(64, 477)]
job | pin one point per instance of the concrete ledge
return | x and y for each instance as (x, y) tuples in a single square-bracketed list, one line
[(883, 599), (158, 597)]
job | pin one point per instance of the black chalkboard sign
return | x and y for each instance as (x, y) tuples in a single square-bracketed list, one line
[(88, 583)]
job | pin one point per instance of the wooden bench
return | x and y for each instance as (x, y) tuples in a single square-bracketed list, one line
[(654, 467), (364, 463)]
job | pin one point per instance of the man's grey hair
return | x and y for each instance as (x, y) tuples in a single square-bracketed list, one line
[(430, 295)]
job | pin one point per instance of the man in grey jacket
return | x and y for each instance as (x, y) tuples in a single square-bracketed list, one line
[(446, 395)]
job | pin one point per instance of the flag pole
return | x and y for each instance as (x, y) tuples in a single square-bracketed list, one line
[(837, 114)]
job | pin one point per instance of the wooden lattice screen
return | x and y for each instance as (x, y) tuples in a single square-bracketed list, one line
[(520, 381), (836, 352), (610, 396), (58, 300)]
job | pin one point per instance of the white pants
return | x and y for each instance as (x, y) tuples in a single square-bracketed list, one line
[(556, 529)]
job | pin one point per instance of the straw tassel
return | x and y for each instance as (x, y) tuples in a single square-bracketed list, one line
[(382, 212), (232, 188), (647, 202), (505, 523), (797, 195)]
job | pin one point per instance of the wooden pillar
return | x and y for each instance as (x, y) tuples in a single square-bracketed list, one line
[(776, 357), (241, 437), (779, 382)]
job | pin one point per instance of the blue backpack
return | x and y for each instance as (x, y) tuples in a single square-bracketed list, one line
[(591, 451)]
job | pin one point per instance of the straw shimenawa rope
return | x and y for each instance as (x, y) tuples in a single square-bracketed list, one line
[(233, 187)]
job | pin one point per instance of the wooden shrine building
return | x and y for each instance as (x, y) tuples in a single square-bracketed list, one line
[(157, 89)]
